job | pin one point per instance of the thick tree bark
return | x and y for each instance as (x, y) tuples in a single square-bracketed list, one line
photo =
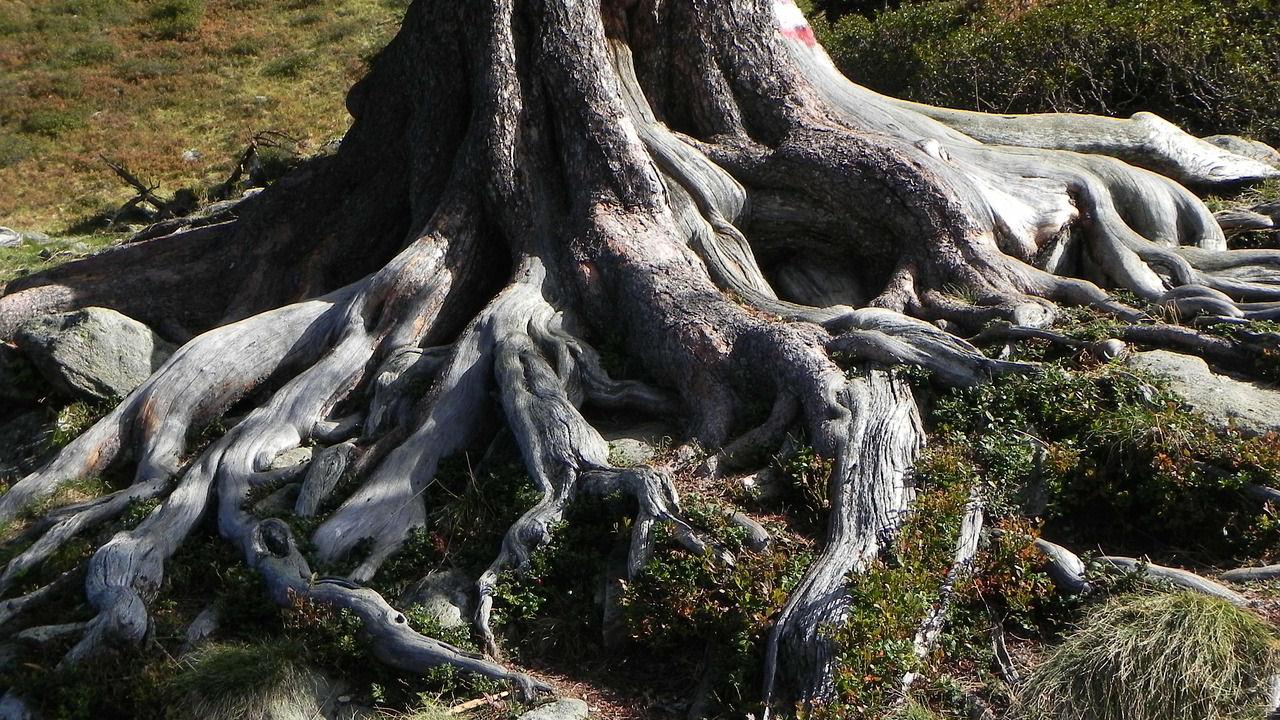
[(695, 177)]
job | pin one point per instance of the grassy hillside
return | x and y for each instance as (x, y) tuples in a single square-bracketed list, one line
[(144, 82)]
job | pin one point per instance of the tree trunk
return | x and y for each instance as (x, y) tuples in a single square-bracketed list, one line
[(696, 177)]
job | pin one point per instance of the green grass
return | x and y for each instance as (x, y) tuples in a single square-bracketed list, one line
[(1158, 657), (142, 82), (230, 682)]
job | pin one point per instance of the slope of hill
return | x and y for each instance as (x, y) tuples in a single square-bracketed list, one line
[(172, 90)]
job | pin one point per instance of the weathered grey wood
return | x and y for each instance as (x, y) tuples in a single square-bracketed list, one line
[(391, 640), (877, 434), (515, 184), (1065, 567), (1178, 577), (322, 477), (1251, 574), (202, 627)]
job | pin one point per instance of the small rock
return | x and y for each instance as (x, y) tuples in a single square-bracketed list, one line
[(192, 155), (765, 486), (445, 596), (636, 445), (291, 457), (562, 709), (1110, 349), (94, 353), (34, 238), (629, 452), (1251, 408)]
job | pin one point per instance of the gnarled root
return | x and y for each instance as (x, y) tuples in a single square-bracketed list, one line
[(876, 436), (273, 552), (738, 225)]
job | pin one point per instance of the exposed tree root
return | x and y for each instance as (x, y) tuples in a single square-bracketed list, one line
[(693, 180), (1068, 572), (877, 431), (1180, 578), (966, 549)]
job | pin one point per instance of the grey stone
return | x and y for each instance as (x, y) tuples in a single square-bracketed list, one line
[(629, 452), (637, 445), (10, 238), (766, 485), (291, 458), (445, 596), (1251, 408), (94, 353), (562, 709)]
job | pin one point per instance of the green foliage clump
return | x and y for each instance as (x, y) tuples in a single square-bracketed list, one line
[(93, 52), (1105, 454), (1158, 657), (1204, 64), (707, 617), (73, 419), (107, 690), (51, 122), (175, 19), (807, 475), (887, 605), (552, 604)]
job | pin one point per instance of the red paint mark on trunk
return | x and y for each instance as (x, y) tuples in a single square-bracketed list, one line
[(803, 33)]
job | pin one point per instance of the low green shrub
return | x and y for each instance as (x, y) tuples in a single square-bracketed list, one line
[(706, 618), (51, 122), (94, 52), (1106, 455), (888, 603), (1207, 65), (175, 19)]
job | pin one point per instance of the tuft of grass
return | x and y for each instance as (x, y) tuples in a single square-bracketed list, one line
[(93, 52), (1158, 657), (915, 711), (73, 419), (241, 681), (289, 66)]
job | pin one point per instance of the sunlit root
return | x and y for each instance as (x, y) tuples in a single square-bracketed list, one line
[(1180, 578), (289, 581)]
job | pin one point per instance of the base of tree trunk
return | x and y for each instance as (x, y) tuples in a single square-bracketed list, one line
[(695, 179)]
